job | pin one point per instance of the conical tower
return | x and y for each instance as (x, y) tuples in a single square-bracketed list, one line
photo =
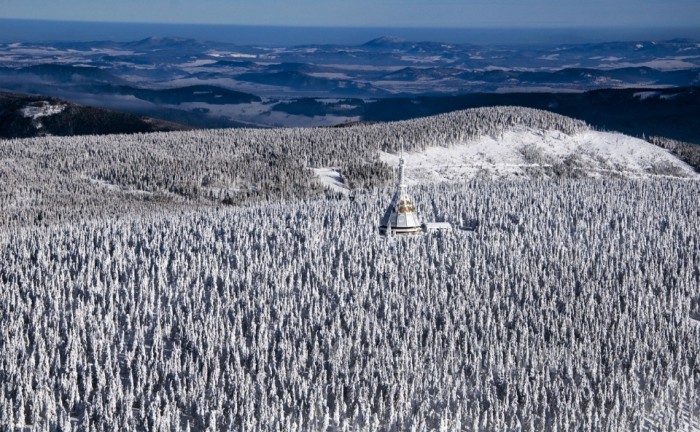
[(401, 216)]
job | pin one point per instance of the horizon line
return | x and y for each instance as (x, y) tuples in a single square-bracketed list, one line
[(330, 26)]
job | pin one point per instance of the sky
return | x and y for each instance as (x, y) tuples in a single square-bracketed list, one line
[(371, 13)]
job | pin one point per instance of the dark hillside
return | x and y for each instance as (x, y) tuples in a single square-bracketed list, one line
[(25, 116), (671, 112)]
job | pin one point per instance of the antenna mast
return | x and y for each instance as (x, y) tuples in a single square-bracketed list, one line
[(402, 166)]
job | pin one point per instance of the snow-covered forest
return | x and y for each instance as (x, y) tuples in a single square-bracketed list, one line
[(126, 303), (51, 179)]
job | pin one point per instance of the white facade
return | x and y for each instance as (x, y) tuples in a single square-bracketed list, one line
[(401, 217)]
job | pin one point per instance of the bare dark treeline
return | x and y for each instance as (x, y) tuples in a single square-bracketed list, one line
[(58, 179), (569, 309)]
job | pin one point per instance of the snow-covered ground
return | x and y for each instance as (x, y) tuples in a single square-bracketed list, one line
[(42, 110), (37, 110), (332, 178), (517, 153)]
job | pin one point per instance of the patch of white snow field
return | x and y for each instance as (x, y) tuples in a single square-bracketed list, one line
[(519, 153)]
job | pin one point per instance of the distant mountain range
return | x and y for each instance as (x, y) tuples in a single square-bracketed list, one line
[(637, 87)]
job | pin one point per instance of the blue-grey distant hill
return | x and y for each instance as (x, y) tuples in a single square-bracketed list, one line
[(638, 87)]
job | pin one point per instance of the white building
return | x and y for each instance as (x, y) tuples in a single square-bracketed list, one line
[(401, 217)]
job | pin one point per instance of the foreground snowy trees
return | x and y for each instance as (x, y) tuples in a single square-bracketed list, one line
[(573, 307)]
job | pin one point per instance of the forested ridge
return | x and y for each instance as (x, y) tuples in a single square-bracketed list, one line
[(129, 304), (52, 179)]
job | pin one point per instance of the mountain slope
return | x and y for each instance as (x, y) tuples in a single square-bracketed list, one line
[(527, 152), (141, 172), (24, 116)]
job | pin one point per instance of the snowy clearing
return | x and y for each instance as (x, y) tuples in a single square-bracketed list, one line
[(43, 109), (332, 178), (647, 95), (515, 154)]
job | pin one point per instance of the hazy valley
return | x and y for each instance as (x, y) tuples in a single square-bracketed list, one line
[(211, 84)]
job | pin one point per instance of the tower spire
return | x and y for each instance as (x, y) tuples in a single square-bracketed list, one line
[(401, 216), (402, 171)]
